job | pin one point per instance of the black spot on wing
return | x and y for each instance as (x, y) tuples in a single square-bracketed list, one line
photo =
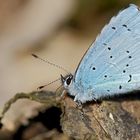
[(124, 71), (114, 28), (124, 25), (130, 78), (120, 87), (109, 48), (93, 68), (128, 29)]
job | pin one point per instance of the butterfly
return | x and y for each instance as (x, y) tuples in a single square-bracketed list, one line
[(111, 65)]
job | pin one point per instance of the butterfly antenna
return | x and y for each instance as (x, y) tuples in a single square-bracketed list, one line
[(48, 84), (50, 63)]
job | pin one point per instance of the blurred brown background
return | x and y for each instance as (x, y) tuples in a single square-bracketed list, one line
[(60, 31)]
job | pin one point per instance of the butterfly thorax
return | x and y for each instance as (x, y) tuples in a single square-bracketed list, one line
[(74, 89)]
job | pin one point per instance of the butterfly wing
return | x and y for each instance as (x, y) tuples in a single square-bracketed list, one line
[(112, 63)]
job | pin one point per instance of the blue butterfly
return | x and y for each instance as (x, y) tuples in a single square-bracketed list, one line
[(111, 66)]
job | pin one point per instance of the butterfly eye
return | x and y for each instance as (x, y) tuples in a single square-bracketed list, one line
[(68, 80)]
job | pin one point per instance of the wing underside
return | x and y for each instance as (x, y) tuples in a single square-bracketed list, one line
[(112, 63)]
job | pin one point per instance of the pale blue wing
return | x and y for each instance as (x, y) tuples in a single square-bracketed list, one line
[(112, 64)]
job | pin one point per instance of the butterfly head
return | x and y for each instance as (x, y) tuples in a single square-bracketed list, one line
[(67, 80)]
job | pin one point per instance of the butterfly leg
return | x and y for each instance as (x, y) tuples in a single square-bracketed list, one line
[(63, 95)]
